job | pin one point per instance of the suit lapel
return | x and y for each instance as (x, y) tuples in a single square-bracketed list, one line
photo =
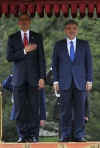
[(66, 49), (31, 37), (30, 34), (77, 49), (20, 39)]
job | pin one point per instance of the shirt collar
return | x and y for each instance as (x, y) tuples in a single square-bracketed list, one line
[(68, 40), (22, 32)]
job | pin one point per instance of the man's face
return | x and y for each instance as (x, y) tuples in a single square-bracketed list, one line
[(71, 31), (24, 22)]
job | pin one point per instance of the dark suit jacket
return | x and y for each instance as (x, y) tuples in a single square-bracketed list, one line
[(27, 68), (80, 69)]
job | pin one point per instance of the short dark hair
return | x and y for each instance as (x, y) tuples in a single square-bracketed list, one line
[(25, 14), (71, 22)]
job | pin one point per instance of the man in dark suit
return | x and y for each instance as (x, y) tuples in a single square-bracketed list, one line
[(25, 50), (56, 112), (72, 69)]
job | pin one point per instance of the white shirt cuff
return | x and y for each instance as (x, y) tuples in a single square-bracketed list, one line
[(89, 83), (56, 82), (25, 52)]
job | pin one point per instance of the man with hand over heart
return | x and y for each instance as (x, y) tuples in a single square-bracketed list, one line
[(25, 50)]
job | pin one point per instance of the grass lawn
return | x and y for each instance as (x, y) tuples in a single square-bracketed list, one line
[(48, 139)]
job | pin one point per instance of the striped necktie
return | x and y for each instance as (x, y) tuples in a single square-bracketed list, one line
[(25, 39)]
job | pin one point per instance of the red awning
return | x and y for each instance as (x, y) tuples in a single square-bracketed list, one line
[(50, 7)]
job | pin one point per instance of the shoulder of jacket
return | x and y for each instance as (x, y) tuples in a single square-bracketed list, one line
[(35, 33), (14, 34), (82, 41), (61, 41)]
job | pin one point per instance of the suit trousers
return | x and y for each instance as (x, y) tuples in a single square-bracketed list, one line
[(72, 98), (26, 99)]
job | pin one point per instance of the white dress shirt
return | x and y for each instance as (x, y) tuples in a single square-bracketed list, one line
[(27, 34), (68, 44)]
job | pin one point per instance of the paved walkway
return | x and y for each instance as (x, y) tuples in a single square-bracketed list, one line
[(51, 145)]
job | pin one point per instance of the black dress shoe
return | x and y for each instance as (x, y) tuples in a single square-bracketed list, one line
[(64, 140), (21, 140), (80, 140), (29, 139), (34, 139)]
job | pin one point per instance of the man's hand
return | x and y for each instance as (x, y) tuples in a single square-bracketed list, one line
[(86, 118), (88, 86), (41, 83), (30, 47), (42, 122), (56, 86)]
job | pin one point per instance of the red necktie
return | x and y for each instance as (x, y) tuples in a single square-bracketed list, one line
[(25, 39)]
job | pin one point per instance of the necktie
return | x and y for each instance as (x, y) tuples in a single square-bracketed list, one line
[(25, 39), (71, 51)]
